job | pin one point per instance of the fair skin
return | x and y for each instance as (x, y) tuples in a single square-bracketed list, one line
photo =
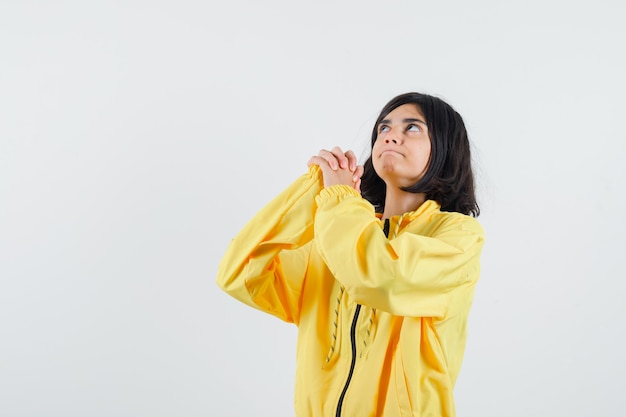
[(400, 156)]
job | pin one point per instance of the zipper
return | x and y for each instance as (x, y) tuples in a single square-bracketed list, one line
[(353, 363), (353, 342), (386, 228)]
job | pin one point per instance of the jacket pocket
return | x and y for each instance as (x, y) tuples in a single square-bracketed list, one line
[(402, 389), (335, 327)]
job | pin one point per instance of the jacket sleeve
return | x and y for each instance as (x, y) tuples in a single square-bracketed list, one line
[(412, 275), (265, 264)]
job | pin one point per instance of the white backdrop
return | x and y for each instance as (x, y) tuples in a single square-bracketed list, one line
[(137, 138)]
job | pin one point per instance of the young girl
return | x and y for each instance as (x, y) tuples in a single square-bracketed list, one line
[(376, 265)]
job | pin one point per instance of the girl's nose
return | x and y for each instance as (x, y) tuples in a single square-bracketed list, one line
[(392, 137)]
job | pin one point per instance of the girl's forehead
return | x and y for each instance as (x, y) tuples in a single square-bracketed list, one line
[(405, 112)]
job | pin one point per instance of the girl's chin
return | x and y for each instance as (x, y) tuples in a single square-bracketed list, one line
[(386, 167)]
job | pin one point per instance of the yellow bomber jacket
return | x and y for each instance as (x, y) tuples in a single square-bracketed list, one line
[(381, 320)]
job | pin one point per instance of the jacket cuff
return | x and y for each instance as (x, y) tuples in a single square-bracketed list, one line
[(335, 193), (315, 173)]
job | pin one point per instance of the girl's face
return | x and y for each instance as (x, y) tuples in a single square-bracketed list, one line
[(401, 151)]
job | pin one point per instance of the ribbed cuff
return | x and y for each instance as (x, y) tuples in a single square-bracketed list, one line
[(335, 193)]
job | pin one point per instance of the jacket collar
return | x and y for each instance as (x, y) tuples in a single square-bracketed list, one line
[(427, 208)]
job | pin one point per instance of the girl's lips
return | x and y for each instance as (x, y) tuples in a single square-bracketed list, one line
[(384, 151)]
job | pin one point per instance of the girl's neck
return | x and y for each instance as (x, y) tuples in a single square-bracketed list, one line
[(399, 202)]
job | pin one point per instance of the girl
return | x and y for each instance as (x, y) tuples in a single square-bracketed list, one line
[(376, 265)]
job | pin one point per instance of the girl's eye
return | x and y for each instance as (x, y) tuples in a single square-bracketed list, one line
[(413, 128), (383, 129)]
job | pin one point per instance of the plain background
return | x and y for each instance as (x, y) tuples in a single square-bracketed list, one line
[(138, 137)]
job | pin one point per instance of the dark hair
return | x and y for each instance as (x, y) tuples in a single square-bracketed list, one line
[(448, 178)]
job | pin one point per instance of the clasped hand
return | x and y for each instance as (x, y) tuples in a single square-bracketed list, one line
[(338, 167)]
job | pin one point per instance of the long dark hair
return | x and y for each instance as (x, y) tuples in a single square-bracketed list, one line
[(448, 179)]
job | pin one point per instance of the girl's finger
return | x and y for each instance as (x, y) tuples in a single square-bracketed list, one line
[(341, 158), (330, 158), (351, 160), (358, 172)]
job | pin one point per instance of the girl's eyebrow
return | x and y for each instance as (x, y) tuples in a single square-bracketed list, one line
[(388, 121)]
